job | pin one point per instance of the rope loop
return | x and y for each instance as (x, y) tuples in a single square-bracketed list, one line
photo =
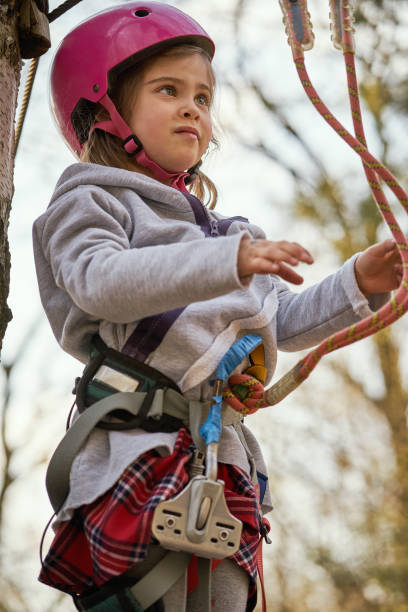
[(245, 394)]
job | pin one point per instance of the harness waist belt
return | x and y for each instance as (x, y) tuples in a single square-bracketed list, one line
[(161, 402)]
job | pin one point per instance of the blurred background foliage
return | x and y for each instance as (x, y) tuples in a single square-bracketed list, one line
[(338, 447)]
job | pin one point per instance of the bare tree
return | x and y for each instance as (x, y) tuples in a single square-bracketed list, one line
[(10, 66), (24, 33)]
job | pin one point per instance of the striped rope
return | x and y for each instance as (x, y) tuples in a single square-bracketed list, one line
[(388, 313)]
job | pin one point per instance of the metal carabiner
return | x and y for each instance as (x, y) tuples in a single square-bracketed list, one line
[(197, 520), (298, 26), (341, 24)]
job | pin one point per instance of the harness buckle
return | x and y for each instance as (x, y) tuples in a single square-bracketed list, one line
[(264, 530)]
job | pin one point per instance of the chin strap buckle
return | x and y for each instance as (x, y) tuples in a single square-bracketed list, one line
[(132, 145)]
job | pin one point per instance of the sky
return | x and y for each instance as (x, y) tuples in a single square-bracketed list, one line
[(248, 186)]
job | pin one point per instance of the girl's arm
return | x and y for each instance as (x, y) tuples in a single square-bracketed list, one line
[(306, 318), (378, 269), (83, 249)]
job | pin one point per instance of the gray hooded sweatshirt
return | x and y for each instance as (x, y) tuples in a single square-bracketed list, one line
[(120, 254)]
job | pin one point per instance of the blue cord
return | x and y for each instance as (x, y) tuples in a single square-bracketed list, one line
[(210, 431)]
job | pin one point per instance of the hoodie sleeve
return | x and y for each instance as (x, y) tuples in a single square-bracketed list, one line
[(84, 239), (307, 318)]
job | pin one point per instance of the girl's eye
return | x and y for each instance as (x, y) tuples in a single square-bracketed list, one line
[(168, 89), (203, 99)]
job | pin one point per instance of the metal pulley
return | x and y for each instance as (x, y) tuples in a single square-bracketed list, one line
[(33, 28), (198, 521)]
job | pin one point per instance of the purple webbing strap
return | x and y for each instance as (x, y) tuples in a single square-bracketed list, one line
[(150, 331)]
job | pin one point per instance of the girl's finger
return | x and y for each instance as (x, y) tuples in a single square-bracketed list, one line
[(304, 256), (282, 250), (279, 253), (385, 247), (273, 253), (295, 250), (289, 275)]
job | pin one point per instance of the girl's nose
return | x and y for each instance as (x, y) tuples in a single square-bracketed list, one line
[(189, 110)]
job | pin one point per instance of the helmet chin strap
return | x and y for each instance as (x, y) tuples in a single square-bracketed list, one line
[(134, 148)]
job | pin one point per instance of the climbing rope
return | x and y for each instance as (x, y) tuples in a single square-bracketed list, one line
[(243, 392), (57, 12), (24, 101)]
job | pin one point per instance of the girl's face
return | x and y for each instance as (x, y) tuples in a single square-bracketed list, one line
[(171, 111)]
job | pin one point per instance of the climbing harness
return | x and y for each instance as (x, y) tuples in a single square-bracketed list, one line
[(207, 528), (195, 522), (109, 371), (117, 392)]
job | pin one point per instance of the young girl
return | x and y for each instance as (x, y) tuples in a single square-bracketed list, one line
[(127, 255)]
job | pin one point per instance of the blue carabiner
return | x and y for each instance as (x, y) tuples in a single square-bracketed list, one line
[(210, 431)]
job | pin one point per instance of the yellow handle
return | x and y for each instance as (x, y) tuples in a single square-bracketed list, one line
[(257, 367)]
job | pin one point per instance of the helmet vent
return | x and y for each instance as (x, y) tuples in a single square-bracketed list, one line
[(142, 12)]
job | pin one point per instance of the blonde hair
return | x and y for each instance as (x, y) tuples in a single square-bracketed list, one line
[(105, 149)]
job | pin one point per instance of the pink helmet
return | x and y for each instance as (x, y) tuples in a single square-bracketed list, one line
[(92, 55)]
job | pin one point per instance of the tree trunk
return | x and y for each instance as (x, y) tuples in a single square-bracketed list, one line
[(10, 66)]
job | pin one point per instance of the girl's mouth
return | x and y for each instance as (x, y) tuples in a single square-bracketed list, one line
[(188, 131)]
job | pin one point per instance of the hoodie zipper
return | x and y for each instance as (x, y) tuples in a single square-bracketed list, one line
[(212, 223)]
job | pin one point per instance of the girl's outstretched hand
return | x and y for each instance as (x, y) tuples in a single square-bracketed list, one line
[(379, 268), (267, 257)]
